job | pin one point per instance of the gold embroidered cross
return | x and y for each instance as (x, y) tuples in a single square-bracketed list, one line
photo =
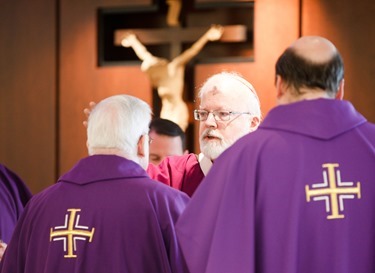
[(70, 232), (333, 191)]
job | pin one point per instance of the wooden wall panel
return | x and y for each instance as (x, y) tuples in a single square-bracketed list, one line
[(350, 26), (82, 81), (27, 90)]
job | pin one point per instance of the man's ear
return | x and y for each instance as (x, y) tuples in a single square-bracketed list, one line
[(340, 91), (279, 86), (254, 124), (141, 146)]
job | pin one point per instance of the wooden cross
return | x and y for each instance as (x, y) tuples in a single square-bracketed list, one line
[(169, 81), (176, 36)]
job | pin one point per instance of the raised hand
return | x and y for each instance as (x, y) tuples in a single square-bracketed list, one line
[(129, 39), (215, 32), (87, 112)]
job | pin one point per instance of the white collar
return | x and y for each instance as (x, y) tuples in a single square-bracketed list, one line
[(205, 163)]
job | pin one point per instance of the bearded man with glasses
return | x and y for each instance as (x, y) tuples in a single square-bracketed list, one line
[(229, 109)]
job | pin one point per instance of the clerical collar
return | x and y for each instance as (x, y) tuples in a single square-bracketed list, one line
[(205, 163)]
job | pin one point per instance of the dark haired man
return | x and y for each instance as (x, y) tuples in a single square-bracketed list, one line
[(167, 139)]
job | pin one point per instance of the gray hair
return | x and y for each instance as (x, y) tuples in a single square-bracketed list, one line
[(118, 122)]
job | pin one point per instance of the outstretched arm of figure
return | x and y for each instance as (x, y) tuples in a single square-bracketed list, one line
[(131, 40), (213, 34)]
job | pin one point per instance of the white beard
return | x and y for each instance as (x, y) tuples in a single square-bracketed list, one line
[(213, 148)]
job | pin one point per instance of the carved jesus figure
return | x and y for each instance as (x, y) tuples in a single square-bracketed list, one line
[(168, 76)]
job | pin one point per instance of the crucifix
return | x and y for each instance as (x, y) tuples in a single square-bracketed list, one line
[(168, 76)]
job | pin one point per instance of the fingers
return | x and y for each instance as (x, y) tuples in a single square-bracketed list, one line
[(2, 249), (92, 104), (87, 112)]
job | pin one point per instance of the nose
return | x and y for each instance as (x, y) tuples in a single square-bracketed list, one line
[(210, 121)]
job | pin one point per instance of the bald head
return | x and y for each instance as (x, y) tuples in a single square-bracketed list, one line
[(311, 64), (314, 48)]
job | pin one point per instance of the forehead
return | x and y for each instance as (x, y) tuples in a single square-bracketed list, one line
[(229, 94), (164, 145)]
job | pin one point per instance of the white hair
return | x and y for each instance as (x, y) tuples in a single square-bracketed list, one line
[(118, 122), (252, 102)]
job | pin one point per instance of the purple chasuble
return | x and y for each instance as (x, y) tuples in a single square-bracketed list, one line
[(14, 194), (295, 196), (104, 215)]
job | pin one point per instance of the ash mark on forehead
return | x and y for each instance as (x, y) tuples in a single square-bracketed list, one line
[(214, 90)]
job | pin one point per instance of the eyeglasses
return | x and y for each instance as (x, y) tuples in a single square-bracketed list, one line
[(150, 139), (202, 115)]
